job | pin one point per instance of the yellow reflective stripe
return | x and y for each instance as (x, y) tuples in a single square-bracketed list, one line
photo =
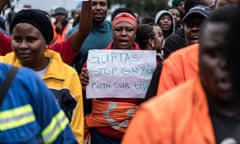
[(16, 117), (57, 125)]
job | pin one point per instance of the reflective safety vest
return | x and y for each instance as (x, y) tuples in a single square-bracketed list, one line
[(29, 113), (57, 125), (10, 119), (24, 115)]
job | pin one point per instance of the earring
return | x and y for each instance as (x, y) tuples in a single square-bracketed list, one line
[(151, 44)]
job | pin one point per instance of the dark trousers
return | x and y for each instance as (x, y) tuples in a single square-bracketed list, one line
[(97, 138)]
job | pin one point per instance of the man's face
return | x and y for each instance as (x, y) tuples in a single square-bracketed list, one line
[(176, 14), (221, 3), (99, 8), (213, 70), (165, 22), (209, 3), (181, 6), (191, 28)]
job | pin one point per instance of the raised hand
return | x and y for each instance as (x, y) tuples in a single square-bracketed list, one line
[(2, 4)]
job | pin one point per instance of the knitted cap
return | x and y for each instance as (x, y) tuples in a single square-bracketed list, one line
[(38, 19)]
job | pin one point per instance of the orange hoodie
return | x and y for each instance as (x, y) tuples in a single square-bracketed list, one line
[(179, 116), (59, 37), (178, 67)]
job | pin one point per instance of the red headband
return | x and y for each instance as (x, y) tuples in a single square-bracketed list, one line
[(124, 17)]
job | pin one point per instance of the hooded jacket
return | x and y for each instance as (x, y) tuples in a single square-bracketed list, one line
[(165, 12)]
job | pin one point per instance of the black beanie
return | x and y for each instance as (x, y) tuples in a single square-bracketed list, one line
[(38, 19)]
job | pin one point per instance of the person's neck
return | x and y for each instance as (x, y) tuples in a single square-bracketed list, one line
[(230, 108), (97, 25), (166, 34), (41, 64)]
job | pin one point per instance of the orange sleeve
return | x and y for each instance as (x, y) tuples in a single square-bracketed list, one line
[(137, 132), (179, 116), (178, 67), (147, 127), (169, 75)]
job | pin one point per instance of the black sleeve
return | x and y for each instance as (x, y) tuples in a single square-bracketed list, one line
[(174, 42), (152, 89)]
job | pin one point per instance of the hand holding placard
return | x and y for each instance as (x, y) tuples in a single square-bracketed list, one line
[(119, 73)]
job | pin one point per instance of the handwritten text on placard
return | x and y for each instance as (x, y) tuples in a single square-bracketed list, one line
[(119, 73)]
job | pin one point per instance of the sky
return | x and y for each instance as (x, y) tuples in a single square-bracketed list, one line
[(48, 4)]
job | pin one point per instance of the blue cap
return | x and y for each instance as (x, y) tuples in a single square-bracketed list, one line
[(199, 9), (79, 5), (60, 10)]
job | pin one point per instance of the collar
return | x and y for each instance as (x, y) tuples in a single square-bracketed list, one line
[(135, 46), (55, 68)]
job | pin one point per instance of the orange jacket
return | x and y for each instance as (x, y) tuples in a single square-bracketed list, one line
[(178, 67), (59, 37), (110, 116), (179, 116)]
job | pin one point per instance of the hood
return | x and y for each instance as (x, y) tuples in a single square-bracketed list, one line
[(161, 13)]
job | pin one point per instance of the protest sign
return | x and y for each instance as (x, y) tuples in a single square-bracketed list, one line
[(119, 73)]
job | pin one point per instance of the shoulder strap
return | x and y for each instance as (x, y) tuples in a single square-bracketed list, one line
[(7, 82)]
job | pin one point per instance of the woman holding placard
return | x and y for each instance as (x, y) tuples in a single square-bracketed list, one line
[(109, 117)]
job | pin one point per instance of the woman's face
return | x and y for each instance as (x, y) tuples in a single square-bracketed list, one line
[(124, 35), (29, 45), (158, 38), (176, 14)]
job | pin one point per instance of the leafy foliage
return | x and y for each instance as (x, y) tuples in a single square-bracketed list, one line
[(144, 7)]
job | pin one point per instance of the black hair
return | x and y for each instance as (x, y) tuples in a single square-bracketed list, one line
[(148, 20), (37, 18), (144, 32), (180, 12), (190, 4), (120, 10), (233, 48), (220, 15)]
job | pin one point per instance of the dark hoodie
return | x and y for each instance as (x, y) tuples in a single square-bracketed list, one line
[(165, 12)]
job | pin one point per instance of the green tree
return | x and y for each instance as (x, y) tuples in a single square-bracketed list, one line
[(144, 7)]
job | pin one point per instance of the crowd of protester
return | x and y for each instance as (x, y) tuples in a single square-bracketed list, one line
[(191, 96)]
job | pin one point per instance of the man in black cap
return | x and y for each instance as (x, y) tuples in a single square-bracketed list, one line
[(177, 40), (181, 65), (60, 26), (192, 21), (183, 61)]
